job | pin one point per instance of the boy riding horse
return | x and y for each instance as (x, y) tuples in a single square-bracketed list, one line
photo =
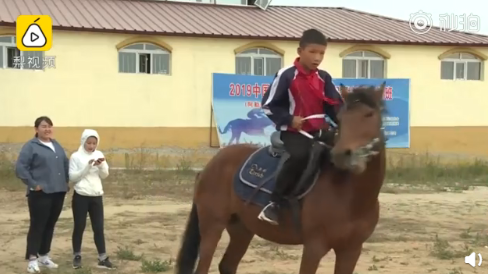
[(299, 91)]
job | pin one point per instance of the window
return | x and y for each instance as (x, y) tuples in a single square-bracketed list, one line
[(461, 66), (144, 58), (230, 2), (258, 61), (11, 57), (363, 64)]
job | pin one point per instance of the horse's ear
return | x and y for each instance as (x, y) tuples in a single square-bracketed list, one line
[(380, 92), (343, 91)]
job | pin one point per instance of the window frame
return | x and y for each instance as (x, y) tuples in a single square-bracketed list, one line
[(213, 2), (363, 57), (4, 51), (151, 52), (465, 62), (257, 55), (218, 2)]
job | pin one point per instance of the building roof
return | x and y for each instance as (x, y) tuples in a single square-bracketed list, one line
[(210, 20)]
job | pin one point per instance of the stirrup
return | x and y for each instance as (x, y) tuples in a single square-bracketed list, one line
[(262, 217)]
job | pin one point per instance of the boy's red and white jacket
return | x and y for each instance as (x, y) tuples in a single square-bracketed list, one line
[(295, 92)]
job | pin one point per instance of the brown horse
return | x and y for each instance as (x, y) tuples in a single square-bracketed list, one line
[(340, 212)]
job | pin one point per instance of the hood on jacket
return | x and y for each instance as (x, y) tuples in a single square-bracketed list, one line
[(87, 133)]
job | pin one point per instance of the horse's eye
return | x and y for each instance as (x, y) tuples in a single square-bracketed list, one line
[(369, 114)]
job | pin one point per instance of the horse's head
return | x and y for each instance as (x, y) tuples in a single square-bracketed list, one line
[(360, 134)]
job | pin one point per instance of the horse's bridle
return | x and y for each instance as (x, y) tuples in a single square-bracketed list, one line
[(370, 149), (373, 147)]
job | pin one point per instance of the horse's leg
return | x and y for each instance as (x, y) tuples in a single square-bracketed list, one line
[(346, 259), (232, 138), (313, 252), (240, 238), (211, 231), (238, 137)]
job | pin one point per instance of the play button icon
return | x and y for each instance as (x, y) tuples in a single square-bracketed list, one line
[(33, 33), (34, 37)]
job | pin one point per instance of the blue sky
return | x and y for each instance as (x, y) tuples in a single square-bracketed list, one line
[(403, 9)]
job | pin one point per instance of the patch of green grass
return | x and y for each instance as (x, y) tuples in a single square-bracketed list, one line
[(156, 266), (384, 259), (127, 254), (443, 250), (64, 270), (478, 239), (7, 169), (441, 174), (373, 268), (85, 270), (456, 271)]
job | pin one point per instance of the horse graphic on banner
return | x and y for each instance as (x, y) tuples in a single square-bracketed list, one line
[(254, 125)]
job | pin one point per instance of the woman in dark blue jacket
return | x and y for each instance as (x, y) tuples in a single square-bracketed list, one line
[(43, 166)]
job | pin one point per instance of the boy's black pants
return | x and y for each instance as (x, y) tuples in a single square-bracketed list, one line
[(298, 146), (44, 211), (92, 206)]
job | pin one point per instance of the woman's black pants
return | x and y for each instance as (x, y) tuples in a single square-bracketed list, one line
[(44, 211), (92, 206)]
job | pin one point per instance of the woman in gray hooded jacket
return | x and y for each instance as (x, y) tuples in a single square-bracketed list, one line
[(43, 167)]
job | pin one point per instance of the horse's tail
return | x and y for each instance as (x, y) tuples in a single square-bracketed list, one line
[(227, 127), (188, 255)]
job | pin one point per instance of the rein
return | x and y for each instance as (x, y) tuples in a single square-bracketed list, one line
[(370, 149), (317, 138)]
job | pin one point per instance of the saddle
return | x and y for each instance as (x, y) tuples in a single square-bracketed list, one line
[(256, 179), (317, 156)]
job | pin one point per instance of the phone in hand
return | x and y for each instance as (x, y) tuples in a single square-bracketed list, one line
[(98, 161)]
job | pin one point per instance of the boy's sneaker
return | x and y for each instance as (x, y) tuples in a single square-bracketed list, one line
[(33, 267), (47, 262), (77, 262), (105, 264), (270, 213)]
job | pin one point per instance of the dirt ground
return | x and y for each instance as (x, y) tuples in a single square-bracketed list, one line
[(149, 229)]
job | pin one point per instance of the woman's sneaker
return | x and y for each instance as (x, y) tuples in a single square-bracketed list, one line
[(47, 262), (105, 264), (33, 267), (77, 262)]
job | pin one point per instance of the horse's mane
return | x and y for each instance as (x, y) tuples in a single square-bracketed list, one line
[(365, 95)]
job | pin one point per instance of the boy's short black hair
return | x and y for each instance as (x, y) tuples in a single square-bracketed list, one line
[(312, 36)]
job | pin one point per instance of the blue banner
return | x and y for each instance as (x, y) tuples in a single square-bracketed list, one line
[(237, 108)]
